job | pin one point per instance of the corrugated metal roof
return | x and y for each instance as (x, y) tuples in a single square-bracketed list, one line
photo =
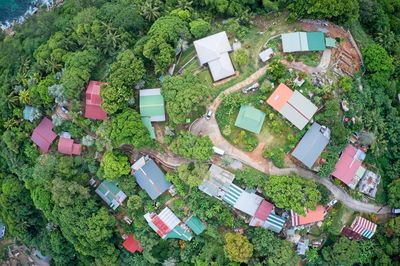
[(152, 105), (222, 67), (312, 145), (178, 232), (147, 123), (196, 225), (248, 203), (275, 223), (295, 117), (348, 164), (218, 179), (233, 194), (43, 135), (302, 105), (93, 108), (250, 118), (111, 194), (316, 41)]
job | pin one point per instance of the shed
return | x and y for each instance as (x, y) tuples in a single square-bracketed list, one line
[(250, 118), (330, 42), (196, 225), (266, 55), (248, 203), (152, 105), (93, 108), (312, 145), (363, 227), (131, 244), (111, 194), (43, 135), (316, 41), (214, 51), (150, 177), (68, 147)]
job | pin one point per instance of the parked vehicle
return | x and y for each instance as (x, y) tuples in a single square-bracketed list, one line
[(396, 211), (209, 114), (252, 88), (218, 151), (332, 203)]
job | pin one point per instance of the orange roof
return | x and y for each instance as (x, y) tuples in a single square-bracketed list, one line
[(280, 97), (311, 216)]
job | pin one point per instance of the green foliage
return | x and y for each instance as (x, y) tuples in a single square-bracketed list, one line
[(276, 71), (185, 95), (346, 83), (240, 57), (292, 192), (277, 156), (199, 28), (325, 194), (378, 63), (192, 147), (127, 128), (114, 165), (250, 177), (237, 247), (394, 194), (343, 252)]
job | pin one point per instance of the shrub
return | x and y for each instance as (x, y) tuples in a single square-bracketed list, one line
[(240, 57), (199, 28), (277, 156)]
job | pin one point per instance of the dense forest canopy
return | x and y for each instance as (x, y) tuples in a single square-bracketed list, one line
[(45, 199)]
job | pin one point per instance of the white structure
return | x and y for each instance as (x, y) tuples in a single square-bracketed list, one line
[(214, 51), (266, 55), (294, 42)]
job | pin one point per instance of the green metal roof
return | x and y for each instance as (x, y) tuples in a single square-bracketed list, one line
[(196, 225), (316, 41), (179, 233), (111, 194), (147, 123), (152, 105), (250, 118), (330, 42)]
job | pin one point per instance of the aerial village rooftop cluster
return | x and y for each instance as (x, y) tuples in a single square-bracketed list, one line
[(292, 105)]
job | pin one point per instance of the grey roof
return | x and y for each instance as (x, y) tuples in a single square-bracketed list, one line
[(150, 177), (294, 42), (295, 117), (248, 203), (312, 144), (214, 51), (266, 54), (218, 180), (304, 105)]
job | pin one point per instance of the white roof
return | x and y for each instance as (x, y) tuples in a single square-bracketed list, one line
[(304, 105), (248, 203), (150, 92), (266, 54), (211, 47), (221, 67), (294, 42), (139, 164), (169, 218), (294, 116)]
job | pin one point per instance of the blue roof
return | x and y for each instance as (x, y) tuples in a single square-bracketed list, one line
[(2, 230), (152, 179), (312, 145)]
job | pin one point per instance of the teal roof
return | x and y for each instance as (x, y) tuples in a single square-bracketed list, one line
[(316, 41), (250, 118), (275, 223), (330, 42), (233, 194), (111, 194), (152, 105), (179, 233), (147, 123), (196, 225)]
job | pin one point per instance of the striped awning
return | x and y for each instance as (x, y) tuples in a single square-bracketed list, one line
[(233, 194), (363, 227), (275, 223)]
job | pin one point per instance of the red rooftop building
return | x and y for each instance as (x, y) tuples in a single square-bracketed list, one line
[(68, 147), (43, 135), (93, 108), (131, 244)]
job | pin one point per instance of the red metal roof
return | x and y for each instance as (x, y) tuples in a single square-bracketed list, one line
[(43, 135), (163, 229), (93, 108), (67, 146), (131, 244), (264, 210), (347, 165)]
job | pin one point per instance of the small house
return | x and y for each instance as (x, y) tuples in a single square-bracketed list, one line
[(111, 194), (311, 216), (150, 177), (369, 183), (265, 217), (361, 228), (250, 119), (303, 41), (131, 244), (292, 105), (93, 108), (312, 145), (151, 108), (349, 169), (214, 51), (266, 55), (167, 225), (68, 147), (195, 224), (43, 135)]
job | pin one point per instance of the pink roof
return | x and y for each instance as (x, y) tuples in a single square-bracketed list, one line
[(67, 146), (93, 108), (43, 135), (311, 216), (347, 165), (264, 210), (280, 97), (131, 244)]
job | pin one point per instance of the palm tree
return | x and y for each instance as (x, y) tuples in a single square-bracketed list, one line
[(150, 10), (24, 97), (185, 5)]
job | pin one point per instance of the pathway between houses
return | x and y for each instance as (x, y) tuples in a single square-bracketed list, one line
[(255, 159), (322, 67)]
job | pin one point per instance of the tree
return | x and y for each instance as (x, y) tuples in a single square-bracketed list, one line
[(343, 252), (127, 128), (114, 165), (192, 147), (150, 10), (185, 95), (378, 63), (294, 193), (276, 71), (240, 57), (325, 194), (134, 203), (393, 227), (127, 70), (199, 28), (394, 193), (237, 247), (192, 174)]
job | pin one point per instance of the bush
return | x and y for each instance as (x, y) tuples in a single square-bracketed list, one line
[(240, 57), (199, 28), (277, 156)]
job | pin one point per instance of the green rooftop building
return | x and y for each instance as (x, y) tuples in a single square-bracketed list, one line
[(250, 118), (303, 41), (152, 109), (111, 194), (196, 225)]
